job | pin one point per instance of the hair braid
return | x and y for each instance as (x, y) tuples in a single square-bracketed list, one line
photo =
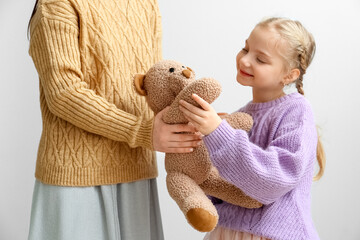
[(299, 54), (303, 64), (299, 85), (301, 45)]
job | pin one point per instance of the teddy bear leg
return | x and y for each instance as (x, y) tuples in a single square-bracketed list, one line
[(196, 206), (216, 186)]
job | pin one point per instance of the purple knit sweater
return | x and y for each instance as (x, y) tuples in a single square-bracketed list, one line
[(272, 164)]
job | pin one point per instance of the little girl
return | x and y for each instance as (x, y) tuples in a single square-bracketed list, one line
[(274, 162)]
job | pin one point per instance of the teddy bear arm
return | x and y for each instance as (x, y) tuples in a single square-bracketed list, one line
[(240, 120), (218, 187), (207, 88)]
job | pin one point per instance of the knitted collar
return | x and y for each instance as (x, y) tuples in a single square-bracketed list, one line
[(257, 106)]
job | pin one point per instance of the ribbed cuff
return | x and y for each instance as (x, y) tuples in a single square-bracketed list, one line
[(72, 176), (219, 137), (144, 135)]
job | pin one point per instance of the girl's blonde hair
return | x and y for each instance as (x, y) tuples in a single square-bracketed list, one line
[(299, 54)]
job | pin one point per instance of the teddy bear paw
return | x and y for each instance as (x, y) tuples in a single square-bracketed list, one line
[(201, 219)]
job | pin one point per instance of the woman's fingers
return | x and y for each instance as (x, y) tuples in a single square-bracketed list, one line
[(188, 144), (178, 150), (184, 137), (182, 146), (180, 128), (174, 138)]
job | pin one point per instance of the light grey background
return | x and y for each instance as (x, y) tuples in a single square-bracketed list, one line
[(205, 35)]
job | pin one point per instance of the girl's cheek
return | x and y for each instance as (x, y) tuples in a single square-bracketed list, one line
[(238, 60)]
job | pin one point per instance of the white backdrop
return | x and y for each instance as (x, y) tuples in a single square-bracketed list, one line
[(205, 35)]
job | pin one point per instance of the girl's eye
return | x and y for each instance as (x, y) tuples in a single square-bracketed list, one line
[(259, 60), (244, 50)]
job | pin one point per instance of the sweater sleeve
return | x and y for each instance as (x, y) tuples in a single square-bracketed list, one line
[(54, 48), (265, 174)]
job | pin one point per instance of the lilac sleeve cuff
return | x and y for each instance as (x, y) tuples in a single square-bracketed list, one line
[(219, 137)]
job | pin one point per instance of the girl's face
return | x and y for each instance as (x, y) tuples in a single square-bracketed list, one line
[(259, 63)]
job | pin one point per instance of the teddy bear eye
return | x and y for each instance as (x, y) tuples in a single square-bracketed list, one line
[(183, 66), (171, 70)]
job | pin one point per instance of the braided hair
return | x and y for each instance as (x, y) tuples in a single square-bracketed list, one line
[(299, 54), (301, 45)]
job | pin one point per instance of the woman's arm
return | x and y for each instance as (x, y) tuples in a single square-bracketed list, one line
[(54, 47)]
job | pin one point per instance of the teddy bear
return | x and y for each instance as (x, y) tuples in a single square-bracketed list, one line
[(191, 177)]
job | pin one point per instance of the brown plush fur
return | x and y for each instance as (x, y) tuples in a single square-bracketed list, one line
[(191, 176)]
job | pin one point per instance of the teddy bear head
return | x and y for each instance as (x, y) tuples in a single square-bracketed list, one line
[(163, 82)]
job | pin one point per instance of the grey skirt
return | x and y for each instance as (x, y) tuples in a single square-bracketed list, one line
[(126, 211)]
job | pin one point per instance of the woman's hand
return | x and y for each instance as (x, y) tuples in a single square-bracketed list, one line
[(170, 138), (205, 119)]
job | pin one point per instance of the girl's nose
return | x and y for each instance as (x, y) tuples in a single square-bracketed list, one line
[(244, 61)]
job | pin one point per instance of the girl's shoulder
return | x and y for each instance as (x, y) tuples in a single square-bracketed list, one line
[(293, 100), (292, 105), (297, 102), (282, 102), (295, 107)]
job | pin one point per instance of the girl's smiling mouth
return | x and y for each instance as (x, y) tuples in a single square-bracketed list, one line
[(245, 74)]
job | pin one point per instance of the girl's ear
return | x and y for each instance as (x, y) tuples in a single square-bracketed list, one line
[(291, 76), (139, 84)]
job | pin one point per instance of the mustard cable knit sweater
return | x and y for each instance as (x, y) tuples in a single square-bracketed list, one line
[(96, 129)]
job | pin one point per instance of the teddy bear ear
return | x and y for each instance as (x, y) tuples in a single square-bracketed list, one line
[(139, 84)]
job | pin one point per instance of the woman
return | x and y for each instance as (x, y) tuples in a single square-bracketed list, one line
[(96, 169)]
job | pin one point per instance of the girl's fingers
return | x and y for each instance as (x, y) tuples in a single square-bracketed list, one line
[(204, 104), (192, 108), (193, 118)]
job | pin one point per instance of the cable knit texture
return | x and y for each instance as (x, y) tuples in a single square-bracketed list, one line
[(272, 164), (96, 129)]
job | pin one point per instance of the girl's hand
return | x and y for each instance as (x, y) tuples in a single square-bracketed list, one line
[(166, 137), (205, 119)]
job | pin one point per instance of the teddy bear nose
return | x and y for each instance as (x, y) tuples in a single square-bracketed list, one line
[(186, 73)]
